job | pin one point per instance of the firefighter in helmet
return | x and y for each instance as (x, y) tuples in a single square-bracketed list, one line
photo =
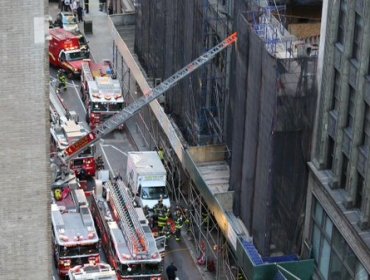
[(161, 153), (162, 214), (178, 224), (62, 80), (58, 194)]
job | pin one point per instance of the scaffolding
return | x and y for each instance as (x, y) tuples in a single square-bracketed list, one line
[(204, 232), (205, 119)]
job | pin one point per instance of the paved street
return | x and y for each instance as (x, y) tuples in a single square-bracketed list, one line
[(115, 146)]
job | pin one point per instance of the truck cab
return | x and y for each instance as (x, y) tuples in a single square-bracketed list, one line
[(146, 177), (65, 51)]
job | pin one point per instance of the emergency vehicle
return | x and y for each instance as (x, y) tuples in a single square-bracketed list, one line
[(99, 271), (127, 242), (100, 91), (66, 133), (65, 51), (75, 239)]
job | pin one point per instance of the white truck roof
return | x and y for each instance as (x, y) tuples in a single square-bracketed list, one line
[(98, 271), (72, 221), (147, 162)]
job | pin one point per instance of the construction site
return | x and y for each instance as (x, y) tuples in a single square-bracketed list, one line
[(237, 132)]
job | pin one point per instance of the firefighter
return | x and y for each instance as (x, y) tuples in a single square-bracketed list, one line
[(159, 206), (187, 220), (58, 194), (240, 276), (166, 230), (62, 80), (205, 218), (99, 163), (162, 220), (161, 153), (179, 223)]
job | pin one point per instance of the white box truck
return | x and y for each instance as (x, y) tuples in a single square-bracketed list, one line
[(146, 177)]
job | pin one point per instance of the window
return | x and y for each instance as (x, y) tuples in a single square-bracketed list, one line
[(324, 259), (351, 107), (333, 257), (366, 128), (338, 243), (341, 21), (344, 174), (336, 88), (357, 37), (330, 155), (359, 190), (337, 270)]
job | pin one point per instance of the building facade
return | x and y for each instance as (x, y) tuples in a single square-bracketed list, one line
[(337, 229), (24, 152)]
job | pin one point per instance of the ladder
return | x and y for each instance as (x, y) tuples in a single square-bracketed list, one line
[(128, 219), (86, 70), (57, 106), (128, 112)]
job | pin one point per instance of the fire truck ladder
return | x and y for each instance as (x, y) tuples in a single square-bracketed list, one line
[(129, 221), (87, 71), (128, 112)]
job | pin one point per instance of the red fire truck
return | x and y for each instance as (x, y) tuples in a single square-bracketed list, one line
[(127, 242), (75, 239), (63, 133), (65, 52), (101, 91)]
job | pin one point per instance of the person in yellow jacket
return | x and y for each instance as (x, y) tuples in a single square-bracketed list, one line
[(62, 80), (161, 153), (58, 194)]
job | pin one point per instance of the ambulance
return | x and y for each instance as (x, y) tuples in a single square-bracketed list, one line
[(65, 51)]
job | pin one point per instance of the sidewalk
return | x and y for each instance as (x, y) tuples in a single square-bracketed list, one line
[(101, 47)]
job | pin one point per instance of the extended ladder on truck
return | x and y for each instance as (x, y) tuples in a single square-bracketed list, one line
[(128, 219), (129, 111)]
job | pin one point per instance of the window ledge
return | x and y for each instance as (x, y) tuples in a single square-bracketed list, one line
[(339, 46), (364, 150), (348, 131), (355, 63)]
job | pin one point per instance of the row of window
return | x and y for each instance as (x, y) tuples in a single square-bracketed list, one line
[(344, 174), (334, 258), (351, 109), (349, 124), (357, 30)]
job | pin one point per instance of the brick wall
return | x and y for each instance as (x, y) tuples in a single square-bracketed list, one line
[(24, 134)]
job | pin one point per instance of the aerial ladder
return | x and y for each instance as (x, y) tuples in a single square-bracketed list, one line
[(152, 94), (86, 69), (128, 219)]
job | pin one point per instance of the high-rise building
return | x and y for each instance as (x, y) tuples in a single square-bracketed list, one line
[(337, 228), (24, 156)]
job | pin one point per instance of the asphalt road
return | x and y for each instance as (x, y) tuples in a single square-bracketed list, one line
[(114, 147)]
